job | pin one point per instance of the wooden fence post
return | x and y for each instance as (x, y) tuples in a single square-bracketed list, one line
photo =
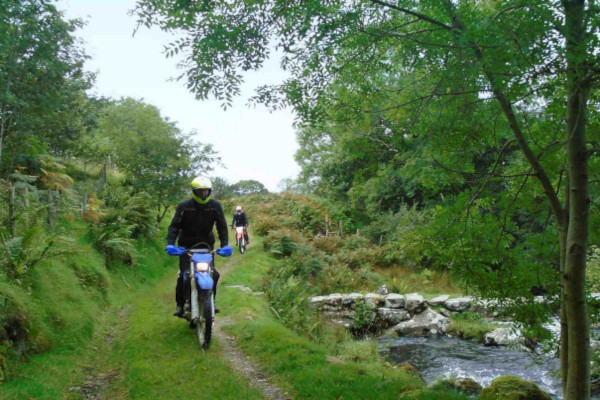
[(84, 204)]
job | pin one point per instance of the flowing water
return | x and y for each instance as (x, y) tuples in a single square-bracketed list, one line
[(446, 357)]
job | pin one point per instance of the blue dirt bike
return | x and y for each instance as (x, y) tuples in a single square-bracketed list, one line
[(200, 310)]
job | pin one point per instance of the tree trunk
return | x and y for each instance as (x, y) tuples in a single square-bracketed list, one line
[(578, 374)]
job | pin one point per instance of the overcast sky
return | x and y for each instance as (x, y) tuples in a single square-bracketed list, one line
[(253, 143)]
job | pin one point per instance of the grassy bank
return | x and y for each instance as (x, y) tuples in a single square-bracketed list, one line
[(111, 333), (332, 369)]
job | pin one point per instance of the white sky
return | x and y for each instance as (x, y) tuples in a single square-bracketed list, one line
[(252, 142)]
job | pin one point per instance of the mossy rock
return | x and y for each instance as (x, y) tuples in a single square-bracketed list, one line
[(411, 370), (513, 388), (463, 385)]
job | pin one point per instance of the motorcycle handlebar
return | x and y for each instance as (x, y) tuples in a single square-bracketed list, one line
[(173, 250)]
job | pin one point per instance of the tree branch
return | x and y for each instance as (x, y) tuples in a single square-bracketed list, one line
[(415, 14)]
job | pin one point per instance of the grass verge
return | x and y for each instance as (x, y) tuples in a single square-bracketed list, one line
[(302, 367)]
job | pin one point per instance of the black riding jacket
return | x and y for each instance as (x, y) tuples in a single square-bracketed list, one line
[(193, 223), (239, 219)]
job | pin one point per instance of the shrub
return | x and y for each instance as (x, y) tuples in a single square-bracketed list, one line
[(329, 245), (308, 218), (364, 316), (357, 258), (124, 216), (134, 208), (355, 242), (281, 243), (593, 269), (265, 224), (339, 278)]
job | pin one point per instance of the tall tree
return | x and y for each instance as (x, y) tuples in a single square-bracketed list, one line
[(156, 156), (521, 54), (248, 187), (41, 79)]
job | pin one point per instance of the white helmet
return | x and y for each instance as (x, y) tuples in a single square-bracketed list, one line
[(238, 208)]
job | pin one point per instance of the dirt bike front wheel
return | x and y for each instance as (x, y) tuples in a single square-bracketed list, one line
[(242, 245), (204, 325)]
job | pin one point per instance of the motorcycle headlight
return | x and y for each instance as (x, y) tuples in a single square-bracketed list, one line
[(202, 266)]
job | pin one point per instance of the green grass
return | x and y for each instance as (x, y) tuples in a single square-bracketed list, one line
[(470, 325), (112, 332), (123, 331), (161, 359), (299, 365)]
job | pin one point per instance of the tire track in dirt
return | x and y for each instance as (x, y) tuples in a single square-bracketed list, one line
[(240, 362)]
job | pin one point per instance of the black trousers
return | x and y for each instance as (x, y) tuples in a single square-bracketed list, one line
[(183, 291)]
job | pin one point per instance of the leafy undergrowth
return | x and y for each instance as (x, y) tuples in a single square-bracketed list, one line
[(307, 369)]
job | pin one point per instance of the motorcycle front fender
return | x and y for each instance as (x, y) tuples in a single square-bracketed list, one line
[(204, 280)]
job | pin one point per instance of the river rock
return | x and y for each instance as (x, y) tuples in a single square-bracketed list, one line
[(334, 299), (374, 299), (459, 303), (316, 301), (411, 370), (414, 303), (438, 301), (447, 313), (512, 387), (503, 337), (394, 300), (489, 307), (463, 385), (350, 299), (383, 290), (392, 316), (426, 323)]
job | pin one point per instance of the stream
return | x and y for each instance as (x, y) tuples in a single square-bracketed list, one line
[(446, 357)]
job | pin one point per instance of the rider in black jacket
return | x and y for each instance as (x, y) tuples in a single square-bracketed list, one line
[(193, 224), (240, 219)]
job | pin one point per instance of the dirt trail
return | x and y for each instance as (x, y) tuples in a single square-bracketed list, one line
[(240, 362)]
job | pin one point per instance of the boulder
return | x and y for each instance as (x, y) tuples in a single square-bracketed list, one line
[(383, 290), (427, 323), (463, 385), (513, 388), (316, 301), (394, 300), (411, 370), (503, 337), (447, 313), (459, 303), (489, 307), (438, 301), (374, 299), (392, 316), (414, 303), (334, 299), (350, 299)]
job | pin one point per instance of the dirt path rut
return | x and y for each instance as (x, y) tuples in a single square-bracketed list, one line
[(240, 362)]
